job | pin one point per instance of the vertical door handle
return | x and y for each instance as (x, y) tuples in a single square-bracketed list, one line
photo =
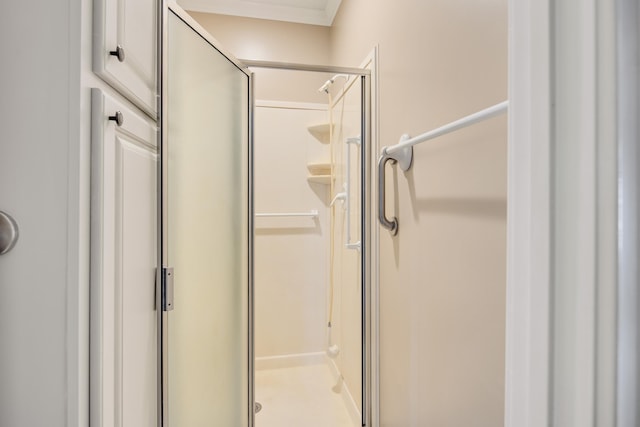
[(167, 288), (391, 225), (8, 233)]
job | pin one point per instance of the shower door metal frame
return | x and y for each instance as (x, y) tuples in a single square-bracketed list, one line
[(164, 8), (366, 219)]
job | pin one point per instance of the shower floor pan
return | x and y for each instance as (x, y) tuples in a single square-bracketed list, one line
[(300, 396)]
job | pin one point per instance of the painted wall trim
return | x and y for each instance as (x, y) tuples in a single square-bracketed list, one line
[(78, 225), (628, 316), (302, 14), (372, 63), (561, 231), (529, 230)]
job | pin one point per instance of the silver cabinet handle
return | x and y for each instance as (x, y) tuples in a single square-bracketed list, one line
[(391, 225), (118, 117), (8, 233), (118, 53)]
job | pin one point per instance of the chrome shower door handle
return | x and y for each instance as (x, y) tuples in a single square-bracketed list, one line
[(391, 225)]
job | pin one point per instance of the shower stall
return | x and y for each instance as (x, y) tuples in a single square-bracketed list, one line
[(264, 241), (308, 257)]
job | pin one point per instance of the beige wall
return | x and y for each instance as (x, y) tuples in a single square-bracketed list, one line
[(442, 280), (265, 40), (290, 253)]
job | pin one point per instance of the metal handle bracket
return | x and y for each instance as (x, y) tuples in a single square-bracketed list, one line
[(167, 288)]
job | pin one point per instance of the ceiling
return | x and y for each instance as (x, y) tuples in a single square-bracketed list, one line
[(316, 12)]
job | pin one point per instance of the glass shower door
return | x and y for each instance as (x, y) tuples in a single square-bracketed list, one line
[(206, 236)]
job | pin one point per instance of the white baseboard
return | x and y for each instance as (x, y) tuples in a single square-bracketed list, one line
[(349, 403)]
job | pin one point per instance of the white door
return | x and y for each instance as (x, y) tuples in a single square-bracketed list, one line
[(124, 48), (123, 259)]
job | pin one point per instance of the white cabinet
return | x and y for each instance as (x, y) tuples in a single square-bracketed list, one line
[(124, 48), (123, 336)]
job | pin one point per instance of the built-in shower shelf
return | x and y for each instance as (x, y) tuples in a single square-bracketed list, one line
[(321, 132), (319, 172), (319, 168), (320, 179)]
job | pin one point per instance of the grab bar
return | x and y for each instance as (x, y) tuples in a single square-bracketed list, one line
[(348, 244), (391, 225), (402, 153), (313, 214)]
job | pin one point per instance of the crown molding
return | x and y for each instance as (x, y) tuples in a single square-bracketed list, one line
[(267, 10)]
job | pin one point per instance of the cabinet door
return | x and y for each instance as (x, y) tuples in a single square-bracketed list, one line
[(128, 25), (123, 258)]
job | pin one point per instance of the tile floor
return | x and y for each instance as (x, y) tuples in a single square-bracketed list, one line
[(299, 396)]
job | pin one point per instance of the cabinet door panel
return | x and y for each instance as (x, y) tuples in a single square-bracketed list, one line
[(130, 24), (123, 259)]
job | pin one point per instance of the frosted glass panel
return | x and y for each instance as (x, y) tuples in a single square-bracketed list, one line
[(207, 209)]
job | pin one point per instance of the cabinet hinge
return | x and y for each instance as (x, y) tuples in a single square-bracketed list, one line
[(167, 288)]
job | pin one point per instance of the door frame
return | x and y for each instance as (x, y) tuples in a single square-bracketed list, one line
[(561, 227), (528, 216), (367, 72), (371, 318)]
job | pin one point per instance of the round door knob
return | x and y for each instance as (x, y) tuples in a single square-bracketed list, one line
[(118, 53), (118, 118), (8, 233)]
